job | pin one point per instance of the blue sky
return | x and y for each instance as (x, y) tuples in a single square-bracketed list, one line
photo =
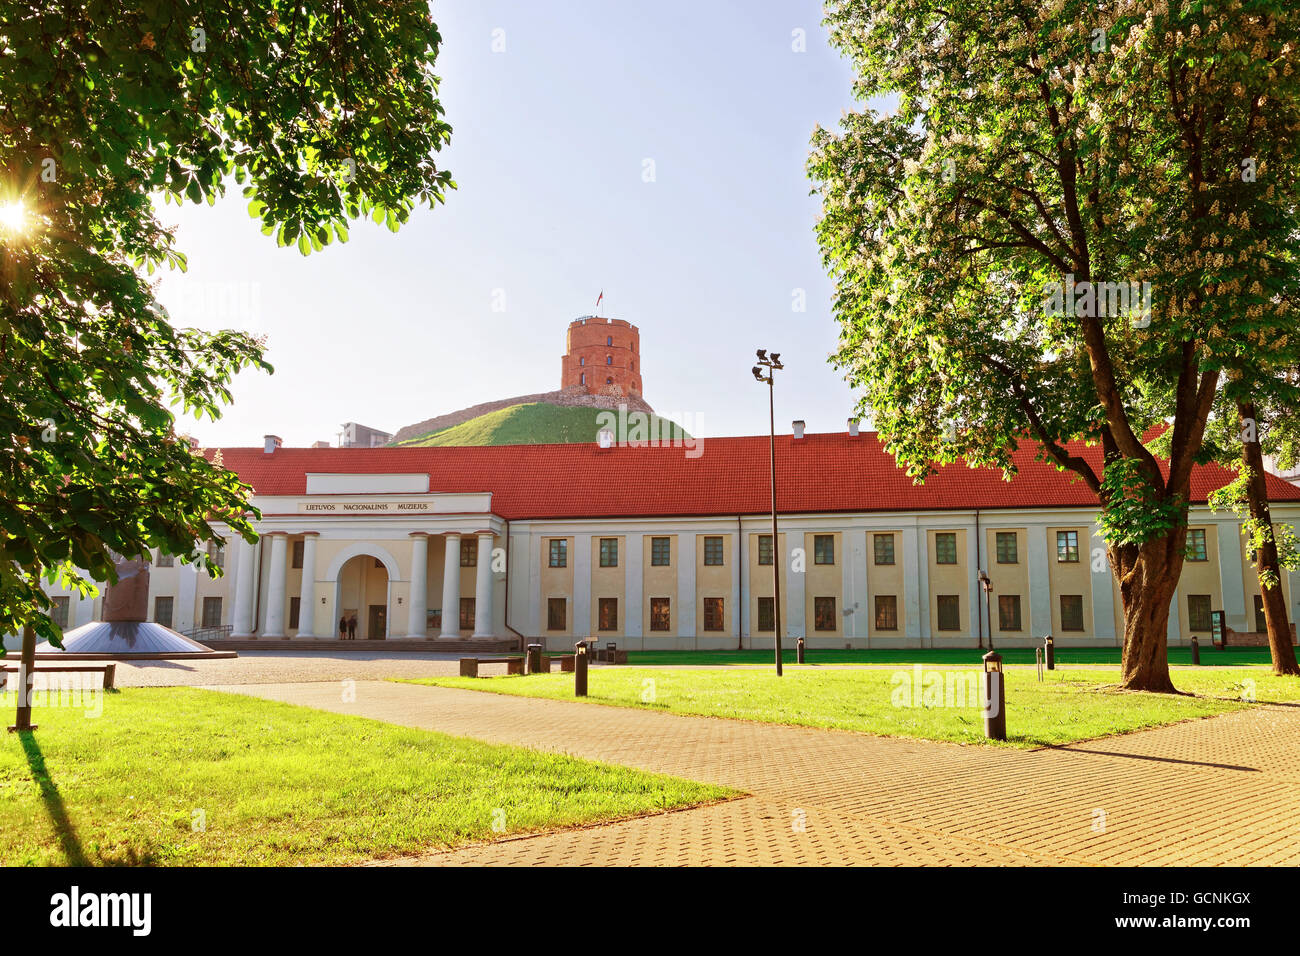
[(549, 148)]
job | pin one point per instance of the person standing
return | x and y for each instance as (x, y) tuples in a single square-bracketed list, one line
[(352, 628), (343, 629)]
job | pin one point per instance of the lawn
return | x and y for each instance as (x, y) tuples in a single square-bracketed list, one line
[(1068, 706), (1232, 657), (173, 776)]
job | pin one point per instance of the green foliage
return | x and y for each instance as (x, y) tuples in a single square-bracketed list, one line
[(1026, 156), (1135, 513), (534, 423), (321, 112), (1233, 497)]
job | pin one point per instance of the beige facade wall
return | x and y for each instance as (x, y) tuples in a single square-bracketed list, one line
[(823, 581), (886, 579), (1070, 578), (1008, 579), (659, 582), (556, 583), (713, 581), (760, 581), (951, 579), (608, 583)]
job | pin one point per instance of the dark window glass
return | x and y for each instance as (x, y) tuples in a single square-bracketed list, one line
[(212, 612), (713, 614), (661, 552), (466, 614), (297, 554), (823, 549), (1067, 547), (59, 612), (824, 614), (766, 614), (609, 552), (945, 547), (555, 614), (559, 553), (162, 611), (166, 560), (713, 551), (886, 612), (884, 545), (608, 614), (765, 549), (1072, 612), (1008, 551), (1009, 612), (468, 552), (661, 616), (295, 608), (1196, 545), (1198, 612), (949, 612)]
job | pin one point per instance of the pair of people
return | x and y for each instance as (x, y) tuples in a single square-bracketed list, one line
[(348, 628)]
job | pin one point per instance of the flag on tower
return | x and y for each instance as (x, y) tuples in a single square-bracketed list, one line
[(598, 298)]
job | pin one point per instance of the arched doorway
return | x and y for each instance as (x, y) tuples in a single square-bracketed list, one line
[(362, 587)]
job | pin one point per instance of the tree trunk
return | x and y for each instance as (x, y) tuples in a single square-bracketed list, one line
[(1266, 563), (23, 719), (1148, 578)]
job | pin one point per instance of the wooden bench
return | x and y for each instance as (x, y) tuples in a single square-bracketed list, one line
[(469, 665), (603, 657), (566, 663), (108, 670)]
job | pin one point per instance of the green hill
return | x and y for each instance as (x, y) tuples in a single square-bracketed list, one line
[(534, 423)]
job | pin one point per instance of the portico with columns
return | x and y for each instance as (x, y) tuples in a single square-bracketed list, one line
[(407, 566)]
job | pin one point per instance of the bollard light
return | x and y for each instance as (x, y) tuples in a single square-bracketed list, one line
[(580, 669), (611, 652), (1049, 652), (798, 650), (995, 699), (533, 664), (1196, 651)]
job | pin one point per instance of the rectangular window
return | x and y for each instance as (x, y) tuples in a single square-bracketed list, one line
[(766, 614), (949, 612), (1261, 623), (886, 612), (1008, 552), (1072, 612), (212, 612), (559, 557), (59, 611), (166, 560), (466, 614), (661, 614), (713, 613), (297, 553), (608, 614), (1198, 612), (469, 552), (824, 614), (295, 608), (765, 549), (1009, 612), (945, 547), (1067, 547), (162, 611), (823, 549), (884, 545), (216, 555), (556, 609), (609, 552), (661, 552), (713, 551), (1196, 545)]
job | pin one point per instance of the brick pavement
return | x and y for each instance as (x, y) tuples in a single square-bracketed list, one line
[(1220, 790)]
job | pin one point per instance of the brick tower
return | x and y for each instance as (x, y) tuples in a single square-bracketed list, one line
[(603, 356)]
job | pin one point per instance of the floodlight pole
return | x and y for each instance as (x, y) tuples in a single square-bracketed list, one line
[(772, 365)]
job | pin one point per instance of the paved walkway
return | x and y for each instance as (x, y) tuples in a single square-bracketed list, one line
[(1223, 790)]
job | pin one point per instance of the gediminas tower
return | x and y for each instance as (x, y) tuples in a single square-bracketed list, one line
[(603, 357)]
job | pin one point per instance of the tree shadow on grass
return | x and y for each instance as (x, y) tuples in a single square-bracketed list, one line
[(72, 851)]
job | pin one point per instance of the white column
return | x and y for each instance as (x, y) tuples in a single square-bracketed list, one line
[(307, 599), (1040, 582), (483, 587), (1232, 587), (419, 584), (451, 588), (633, 583), (916, 590), (243, 615), (1103, 593), (275, 585)]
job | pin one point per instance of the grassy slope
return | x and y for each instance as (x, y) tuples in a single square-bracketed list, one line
[(535, 423), (281, 785), (1068, 706)]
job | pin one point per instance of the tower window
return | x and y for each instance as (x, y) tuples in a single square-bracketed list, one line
[(609, 340), (582, 379), (609, 381), (582, 361), (609, 360)]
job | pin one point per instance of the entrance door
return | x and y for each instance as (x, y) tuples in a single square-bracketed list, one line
[(378, 622)]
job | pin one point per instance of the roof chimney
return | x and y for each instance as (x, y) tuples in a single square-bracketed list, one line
[(853, 428), (798, 426), (605, 437), (270, 443), (320, 444)]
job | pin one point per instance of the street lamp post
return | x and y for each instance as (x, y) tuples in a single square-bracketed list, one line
[(987, 585), (772, 364)]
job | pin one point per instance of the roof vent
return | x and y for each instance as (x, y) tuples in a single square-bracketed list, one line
[(798, 425), (271, 442), (853, 428), (605, 437)]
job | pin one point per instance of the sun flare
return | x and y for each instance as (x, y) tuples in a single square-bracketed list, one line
[(13, 218)]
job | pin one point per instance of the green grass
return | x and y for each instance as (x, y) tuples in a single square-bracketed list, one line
[(1068, 706), (282, 785), (533, 423), (1232, 657)]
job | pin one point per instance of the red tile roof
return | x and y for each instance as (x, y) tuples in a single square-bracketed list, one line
[(818, 473)]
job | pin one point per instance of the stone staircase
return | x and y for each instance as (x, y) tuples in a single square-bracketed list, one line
[(393, 646)]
